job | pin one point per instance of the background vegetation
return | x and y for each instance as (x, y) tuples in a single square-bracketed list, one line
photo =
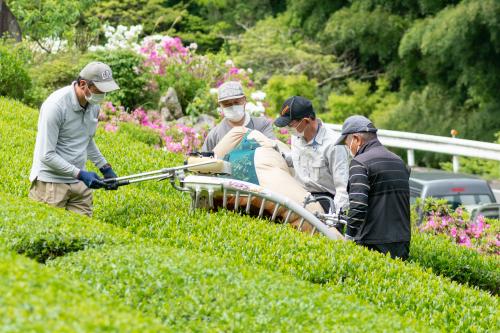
[(425, 66)]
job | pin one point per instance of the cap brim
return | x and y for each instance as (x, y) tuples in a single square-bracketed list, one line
[(230, 97), (106, 86), (341, 140), (282, 121)]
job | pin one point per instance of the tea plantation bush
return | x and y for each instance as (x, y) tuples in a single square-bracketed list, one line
[(456, 262), (391, 285), (185, 289), (157, 211), (192, 291), (35, 298), (43, 233)]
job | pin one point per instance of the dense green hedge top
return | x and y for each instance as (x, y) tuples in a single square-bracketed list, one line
[(194, 291), (35, 298), (185, 289), (456, 262), (43, 233), (157, 211)]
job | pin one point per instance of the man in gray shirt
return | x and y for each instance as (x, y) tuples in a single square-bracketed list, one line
[(232, 101), (320, 165), (65, 140)]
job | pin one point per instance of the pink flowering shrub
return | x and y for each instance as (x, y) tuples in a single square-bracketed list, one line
[(176, 138), (234, 73), (181, 138), (163, 51), (192, 76), (479, 234), (283, 135)]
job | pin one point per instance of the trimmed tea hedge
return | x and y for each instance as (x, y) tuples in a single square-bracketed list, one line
[(194, 292), (41, 232), (391, 285), (456, 262), (186, 290), (157, 211), (35, 298)]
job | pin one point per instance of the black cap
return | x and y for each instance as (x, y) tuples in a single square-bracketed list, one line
[(294, 108), (355, 124)]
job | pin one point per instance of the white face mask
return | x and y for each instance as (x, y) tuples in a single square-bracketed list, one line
[(350, 150), (293, 131), (234, 112), (94, 98)]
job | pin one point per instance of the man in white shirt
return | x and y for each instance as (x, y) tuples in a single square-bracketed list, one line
[(65, 139), (320, 165), (232, 102)]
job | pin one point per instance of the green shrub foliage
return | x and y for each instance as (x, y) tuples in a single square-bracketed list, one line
[(42, 233), (456, 262), (40, 299), (14, 79), (158, 212), (189, 290)]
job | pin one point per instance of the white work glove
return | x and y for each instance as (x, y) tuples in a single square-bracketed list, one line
[(349, 238), (288, 158)]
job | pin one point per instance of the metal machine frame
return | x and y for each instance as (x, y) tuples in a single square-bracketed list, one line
[(203, 189)]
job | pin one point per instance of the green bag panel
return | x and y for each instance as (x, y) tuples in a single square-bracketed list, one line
[(242, 159)]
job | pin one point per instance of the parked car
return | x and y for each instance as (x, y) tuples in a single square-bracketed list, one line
[(491, 211), (458, 189)]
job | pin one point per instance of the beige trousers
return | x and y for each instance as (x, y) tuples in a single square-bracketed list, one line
[(74, 197)]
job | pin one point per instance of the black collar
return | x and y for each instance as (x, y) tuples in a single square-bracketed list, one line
[(369, 145)]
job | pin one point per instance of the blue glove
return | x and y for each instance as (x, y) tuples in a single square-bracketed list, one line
[(91, 179), (108, 172)]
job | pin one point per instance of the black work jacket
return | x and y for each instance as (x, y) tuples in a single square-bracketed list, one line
[(379, 196)]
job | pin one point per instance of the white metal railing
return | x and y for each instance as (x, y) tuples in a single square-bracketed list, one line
[(433, 143)]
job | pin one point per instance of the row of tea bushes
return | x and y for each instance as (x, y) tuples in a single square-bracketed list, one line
[(192, 291), (42, 233), (184, 289), (456, 262), (35, 298), (405, 288)]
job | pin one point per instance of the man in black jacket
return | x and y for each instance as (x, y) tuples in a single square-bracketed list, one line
[(379, 194)]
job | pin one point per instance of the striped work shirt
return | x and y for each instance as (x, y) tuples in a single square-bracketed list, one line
[(379, 196)]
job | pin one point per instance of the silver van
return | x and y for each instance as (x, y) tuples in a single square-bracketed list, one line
[(458, 189)]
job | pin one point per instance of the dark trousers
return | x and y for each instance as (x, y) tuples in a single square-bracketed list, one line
[(396, 250)]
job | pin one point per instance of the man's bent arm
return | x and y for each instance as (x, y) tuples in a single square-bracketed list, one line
[(359, 188)]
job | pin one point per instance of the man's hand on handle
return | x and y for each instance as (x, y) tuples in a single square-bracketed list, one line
[(91, 179), (108, 173)]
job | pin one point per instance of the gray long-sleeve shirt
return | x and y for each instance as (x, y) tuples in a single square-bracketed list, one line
[(65, 138)]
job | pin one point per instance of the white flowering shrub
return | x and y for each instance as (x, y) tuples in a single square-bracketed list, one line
[(120, 37)]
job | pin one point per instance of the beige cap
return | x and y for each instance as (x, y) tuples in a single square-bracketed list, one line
[(101, 76)]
